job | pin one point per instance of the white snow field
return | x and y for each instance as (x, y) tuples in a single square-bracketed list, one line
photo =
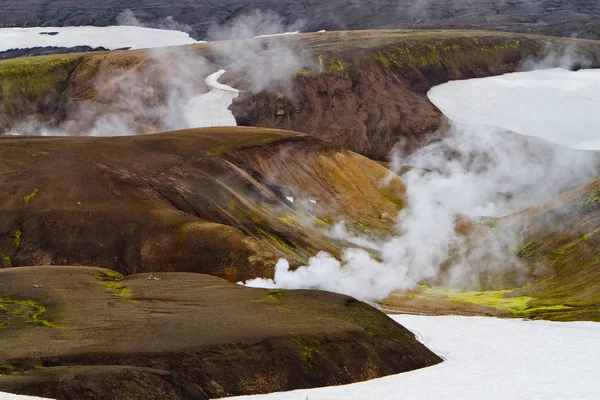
[(8, 396), (110, 37), (557, 105), (212, 108), (485, 358)]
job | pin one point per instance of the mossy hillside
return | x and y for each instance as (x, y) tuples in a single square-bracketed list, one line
[(328, 186), (509, 302), (223, 338), (450, 51), (560, 258), (32, 86)]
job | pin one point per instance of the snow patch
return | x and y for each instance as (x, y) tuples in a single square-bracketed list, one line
[(8, 396), (278, 34), (110, 37), (212, 108), (485, 358), (557, 105)]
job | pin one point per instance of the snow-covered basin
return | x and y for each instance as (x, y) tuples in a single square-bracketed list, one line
[(212, 108), (557, 105), (485, 358), (110, 37)]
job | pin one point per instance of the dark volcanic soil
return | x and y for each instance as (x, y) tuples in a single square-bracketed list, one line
[(205, 200), (76, 332), (572, 18)]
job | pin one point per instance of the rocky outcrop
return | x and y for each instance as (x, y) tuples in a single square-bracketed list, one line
[(207, 200), (78, 332)]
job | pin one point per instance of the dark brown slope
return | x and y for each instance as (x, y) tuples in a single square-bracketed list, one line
[(205, 200), (80, 333)]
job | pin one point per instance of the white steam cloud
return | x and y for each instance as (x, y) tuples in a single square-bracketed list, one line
[(469, 170), (165, 91), (128, 18), (265, 62), (570, 55), (131, 100)]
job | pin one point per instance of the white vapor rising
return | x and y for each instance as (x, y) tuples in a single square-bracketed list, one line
[(263, 61), (166, 90), (128, 18), (252, 24), (475, 170), (133, 100)]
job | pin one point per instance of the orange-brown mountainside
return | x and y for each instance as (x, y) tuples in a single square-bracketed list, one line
[(363, 91), (222, 201), (558, 276), (80, 333)]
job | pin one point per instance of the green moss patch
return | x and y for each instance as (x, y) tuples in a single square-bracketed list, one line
[(15, 311), (30, 197), (111, 280)]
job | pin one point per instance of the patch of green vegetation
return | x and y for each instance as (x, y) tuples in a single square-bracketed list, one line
[(8, 259), (302, 72), (7, 369), (336, 65), (17, 239), (274, 295), (288, 219), (516, 306), (276, 241), (560, 255), (591, 199), (526, 250), (27, 199), (111, 280), (307, 353), (27, 310), (492, 298), (32, 80)]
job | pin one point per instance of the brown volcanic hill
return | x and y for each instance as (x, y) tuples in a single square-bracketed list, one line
[(559, 274), (363, 91), (80, 333), (205, 200)]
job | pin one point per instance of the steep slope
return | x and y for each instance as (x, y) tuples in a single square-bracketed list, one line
[(76, 332), (206, 200), (572, 18)]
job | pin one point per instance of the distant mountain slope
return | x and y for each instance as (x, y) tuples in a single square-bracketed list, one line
[(571, 18)]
